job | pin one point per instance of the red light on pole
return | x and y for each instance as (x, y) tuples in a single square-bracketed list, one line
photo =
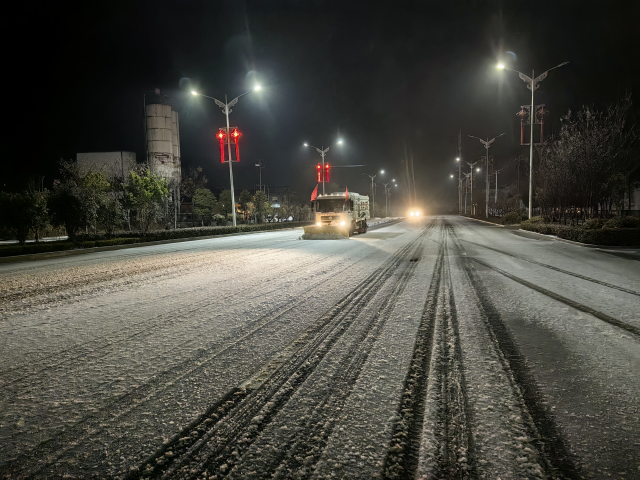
[(221, 136), (236, 136), (326, 172), (319, 167)]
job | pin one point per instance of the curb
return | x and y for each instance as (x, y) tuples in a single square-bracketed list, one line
[(589, 245), (81, 251), (483, 221)]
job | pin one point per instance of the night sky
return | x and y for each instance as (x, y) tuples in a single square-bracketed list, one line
[(389, 78)]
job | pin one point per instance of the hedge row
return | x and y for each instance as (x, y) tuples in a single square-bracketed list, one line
[(601, 236), (155, 235), (136, 237), (31, 248)]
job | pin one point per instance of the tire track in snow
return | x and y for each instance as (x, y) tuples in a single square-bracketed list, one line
[(216, 446), (165, 379), (145, 328), (139, 267), (72, 438), (435, 376), (301, 446), (552, 449), (551, 267)]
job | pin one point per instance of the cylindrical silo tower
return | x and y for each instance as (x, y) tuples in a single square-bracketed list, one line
[(163, 139)]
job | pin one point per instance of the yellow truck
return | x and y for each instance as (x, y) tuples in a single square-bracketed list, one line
[(339, 214)]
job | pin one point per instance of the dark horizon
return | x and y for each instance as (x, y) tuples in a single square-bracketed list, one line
[(383, 78)]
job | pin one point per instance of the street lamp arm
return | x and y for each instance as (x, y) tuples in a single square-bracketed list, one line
[(557, 66), (494, 139), (476, 138)]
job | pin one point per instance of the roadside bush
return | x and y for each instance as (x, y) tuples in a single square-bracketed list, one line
[(630, 222), (43, 247), (511, 218), (593, 224), (532, 221), (601, 236)]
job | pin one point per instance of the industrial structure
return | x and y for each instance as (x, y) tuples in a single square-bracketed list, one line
[(162, 129)]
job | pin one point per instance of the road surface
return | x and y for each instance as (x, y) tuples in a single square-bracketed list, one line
[(434, 348)]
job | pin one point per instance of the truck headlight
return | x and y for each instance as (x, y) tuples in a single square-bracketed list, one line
[(319, 224), (343, 223)]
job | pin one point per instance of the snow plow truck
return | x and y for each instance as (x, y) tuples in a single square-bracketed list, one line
[(339, 214)]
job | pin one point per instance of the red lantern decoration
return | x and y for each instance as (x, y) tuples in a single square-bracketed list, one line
[(221, 136), (235, 135), (326, 172)]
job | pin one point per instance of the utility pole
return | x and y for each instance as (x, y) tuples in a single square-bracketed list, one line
[(471, 176), (373, 193), (260, 165), (459, 171), (386, 200)]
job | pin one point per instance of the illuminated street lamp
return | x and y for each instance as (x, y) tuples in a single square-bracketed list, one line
[(532, 84), (487, 143), (226, 109), (322, 151), (373, 192)]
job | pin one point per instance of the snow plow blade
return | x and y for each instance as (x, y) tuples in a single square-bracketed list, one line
[(325, 232)]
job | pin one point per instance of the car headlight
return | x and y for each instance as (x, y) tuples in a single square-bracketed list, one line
[(412, 214), (319, 224), (417, 214), (343, 223)]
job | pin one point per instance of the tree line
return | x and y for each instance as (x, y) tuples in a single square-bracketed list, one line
[(584, 170), (89, 202)]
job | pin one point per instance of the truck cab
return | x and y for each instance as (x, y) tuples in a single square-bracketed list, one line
[(336, 212)]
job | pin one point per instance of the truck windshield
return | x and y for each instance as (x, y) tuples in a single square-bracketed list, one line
[(331, 205)]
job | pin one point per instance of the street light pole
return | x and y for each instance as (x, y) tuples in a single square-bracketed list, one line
[(532, 84), (487, 143), (322, 151), (226, 109)]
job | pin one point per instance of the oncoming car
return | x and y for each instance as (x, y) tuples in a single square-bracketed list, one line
[(415, 212)]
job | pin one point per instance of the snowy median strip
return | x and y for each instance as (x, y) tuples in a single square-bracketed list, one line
[(80, 251)]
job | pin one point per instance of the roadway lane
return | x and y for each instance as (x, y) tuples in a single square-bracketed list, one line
[(441, 347)]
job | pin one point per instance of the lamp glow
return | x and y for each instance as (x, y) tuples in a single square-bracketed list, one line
[(381, 171), (257, 87), (305, 144), (500, 66), (193, 92), (339, 141)]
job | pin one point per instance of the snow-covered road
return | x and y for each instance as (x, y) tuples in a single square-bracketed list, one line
[(433, 348)]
